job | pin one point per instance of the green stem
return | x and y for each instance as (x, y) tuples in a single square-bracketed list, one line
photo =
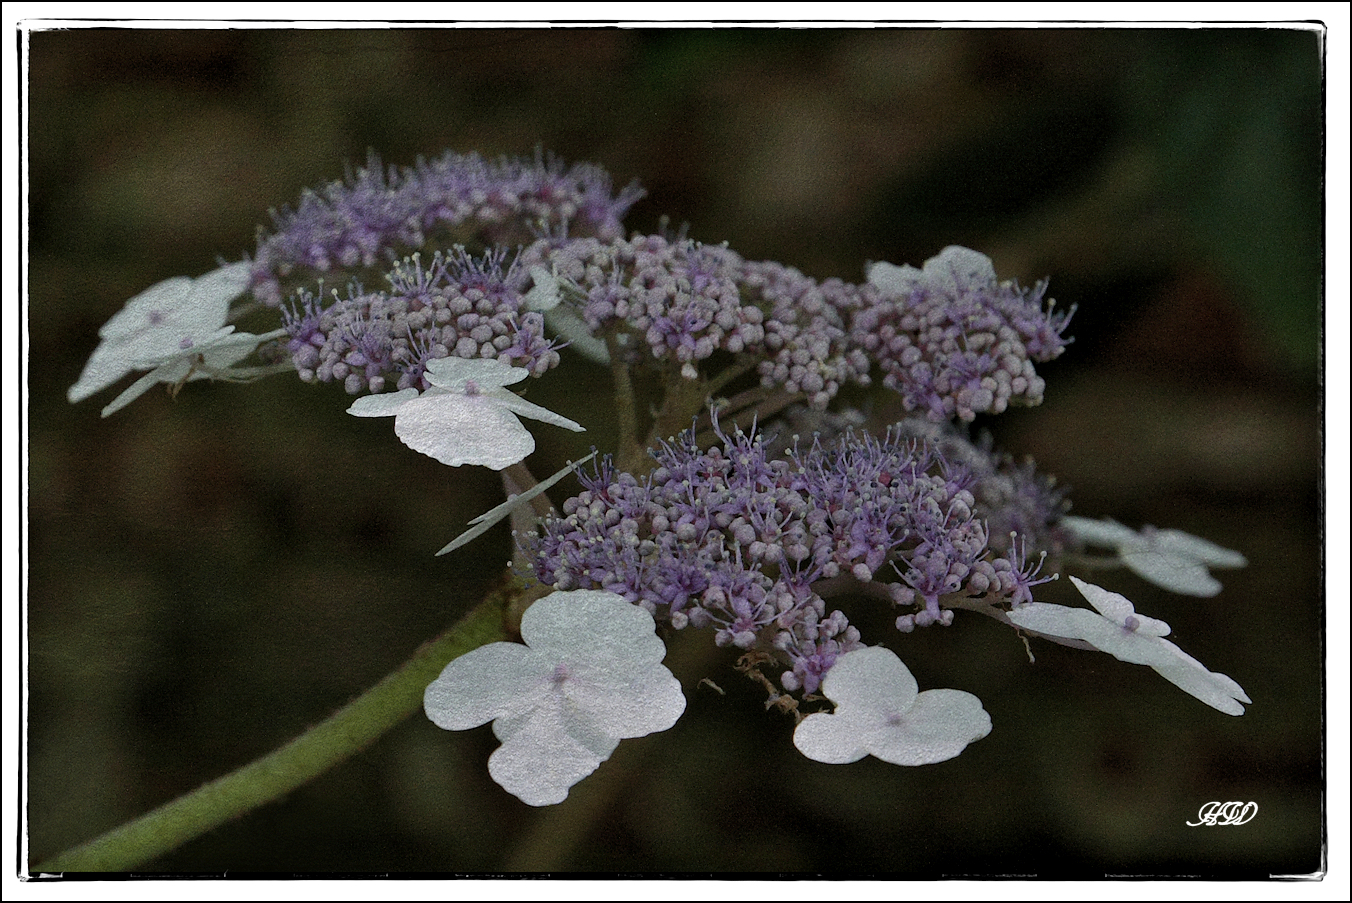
[(345, 733), (630, 455)]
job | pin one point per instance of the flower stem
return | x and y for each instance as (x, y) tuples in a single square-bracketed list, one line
[(346, 732), (630, 454)]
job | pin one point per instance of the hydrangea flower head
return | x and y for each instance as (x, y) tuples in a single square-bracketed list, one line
[(1127, 636), (880, 712), (467, 417), (589, 676), (170, 323), (1170, 559)]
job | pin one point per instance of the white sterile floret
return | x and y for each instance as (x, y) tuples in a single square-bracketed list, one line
[(171, 327), (467, 416), (564, 322), (544, 294), (1170, 559), (1127, 636), (880, 713), (589, 676), (953, 270), (486, 521)]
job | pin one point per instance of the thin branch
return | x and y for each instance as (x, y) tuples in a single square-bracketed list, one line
[(345, 733)]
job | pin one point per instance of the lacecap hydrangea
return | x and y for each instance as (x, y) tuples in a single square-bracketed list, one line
[(749, 490)]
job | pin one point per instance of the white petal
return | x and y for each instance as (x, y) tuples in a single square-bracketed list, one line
[(385, 405), (131, 319), (572, 726), (524, 408), (1083, 625), (545, 294), (602, 629), (1125, 646), (1230, 685), (646, 701), (1113, 606), (1104, 533), (462, 429), (568, 325), (895, 281), (217, 358), (1054, 620), (493, 681), (1168, 569), (871, 678), (1118, 609), (833, 739), (221, 285), (939, 726), (1216, 690), (957, 269), (484, 522), (136, 390), (164, 321), (454, 372), (105, 367), (878, 712), (561, 706), (1187, 545), (541, 761), (158, 321)]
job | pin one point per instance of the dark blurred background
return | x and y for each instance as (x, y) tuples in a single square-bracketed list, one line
[(209, 576)]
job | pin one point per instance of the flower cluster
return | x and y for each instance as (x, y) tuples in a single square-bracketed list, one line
[(807, 347), (954, 340), (1012, 497), (455, 305), (678, 297), (455, 199), (749, 536), (747, 543)]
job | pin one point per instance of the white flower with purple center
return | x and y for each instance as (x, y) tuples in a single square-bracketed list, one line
[(589, 676), (880, 712), (468, 416), (1127, 636), (176, 329), (1170, 559)]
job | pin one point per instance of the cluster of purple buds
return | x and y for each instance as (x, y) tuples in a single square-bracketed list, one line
[(954, 340), (807, 347), (676, 296), (1014, 498), (686, 301), (377, 215), (952, 348), (748, 543), (456, 305)]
